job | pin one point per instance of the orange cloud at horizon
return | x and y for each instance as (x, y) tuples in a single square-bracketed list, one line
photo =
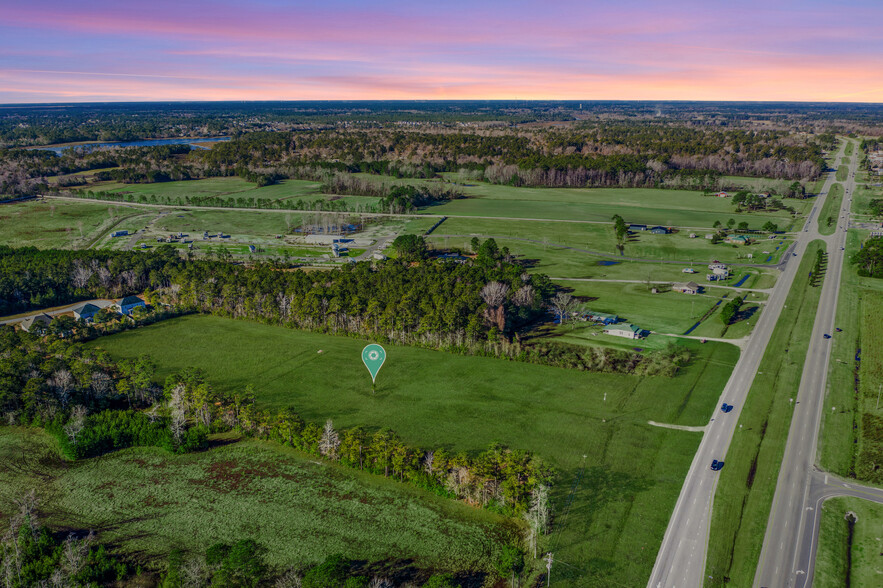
[(779, 83)]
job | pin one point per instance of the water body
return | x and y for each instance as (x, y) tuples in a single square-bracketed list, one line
[(143, 143), (604, 262)]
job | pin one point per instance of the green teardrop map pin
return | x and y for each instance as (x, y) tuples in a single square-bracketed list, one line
[(373, 356)]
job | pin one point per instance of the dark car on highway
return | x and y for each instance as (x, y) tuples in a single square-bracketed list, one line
[(726, 407), (826, 336), (716, 465)]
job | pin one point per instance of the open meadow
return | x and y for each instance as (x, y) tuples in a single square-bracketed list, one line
[(591, 427), (58, 224), (146, 502), (681, 208), (533, 239)]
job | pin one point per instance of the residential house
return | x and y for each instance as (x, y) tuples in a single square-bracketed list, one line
[(721, 271), (36, 323), (455, 257), (601, 317), (128, 303), (628, 331), (86, 312), (688, 270), (252, 248), (658, 230), (738, 239), (637, 227), (722, 195), (717, 265), (686, 287), (119, 233)]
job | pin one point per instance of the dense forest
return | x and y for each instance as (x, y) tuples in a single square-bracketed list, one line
[(61, 123)]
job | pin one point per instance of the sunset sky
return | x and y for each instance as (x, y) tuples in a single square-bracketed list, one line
[(806, 50)]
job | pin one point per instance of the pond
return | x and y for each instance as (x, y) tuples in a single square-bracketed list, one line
[(142, 143)]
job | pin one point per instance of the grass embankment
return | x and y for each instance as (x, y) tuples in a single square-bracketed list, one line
[(829, 216), (842, 173), (147, 502), (857, 557), (747, 485), (632, 472)]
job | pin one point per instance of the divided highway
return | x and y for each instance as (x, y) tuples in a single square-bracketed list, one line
[(680, 562), (788, 554)]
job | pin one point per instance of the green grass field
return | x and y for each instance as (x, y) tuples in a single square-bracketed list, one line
[(746, 487), (53, 223), (757, 184), (667, 312), (146, 502), (537, 240), (842, 173), (636, 205), (633, 472), (834, 551), (850, 145), (829, 216)]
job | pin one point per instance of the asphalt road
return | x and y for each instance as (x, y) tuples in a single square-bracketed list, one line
[(681, 558), (788, 554)]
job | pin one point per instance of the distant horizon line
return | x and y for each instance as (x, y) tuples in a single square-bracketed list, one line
[(439, 100)]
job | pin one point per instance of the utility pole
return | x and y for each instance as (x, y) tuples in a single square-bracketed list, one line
[(549, 560)]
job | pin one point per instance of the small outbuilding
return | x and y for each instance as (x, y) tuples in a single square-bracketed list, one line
[(637, 227), (686, 287)]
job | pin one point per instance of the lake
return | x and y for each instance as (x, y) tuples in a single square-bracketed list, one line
[(143, 143)]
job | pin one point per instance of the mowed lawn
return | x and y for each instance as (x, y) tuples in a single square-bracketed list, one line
[(636, 205), (222, 190), (632, 472), (146, 502), (667, 312), (54, 223)]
